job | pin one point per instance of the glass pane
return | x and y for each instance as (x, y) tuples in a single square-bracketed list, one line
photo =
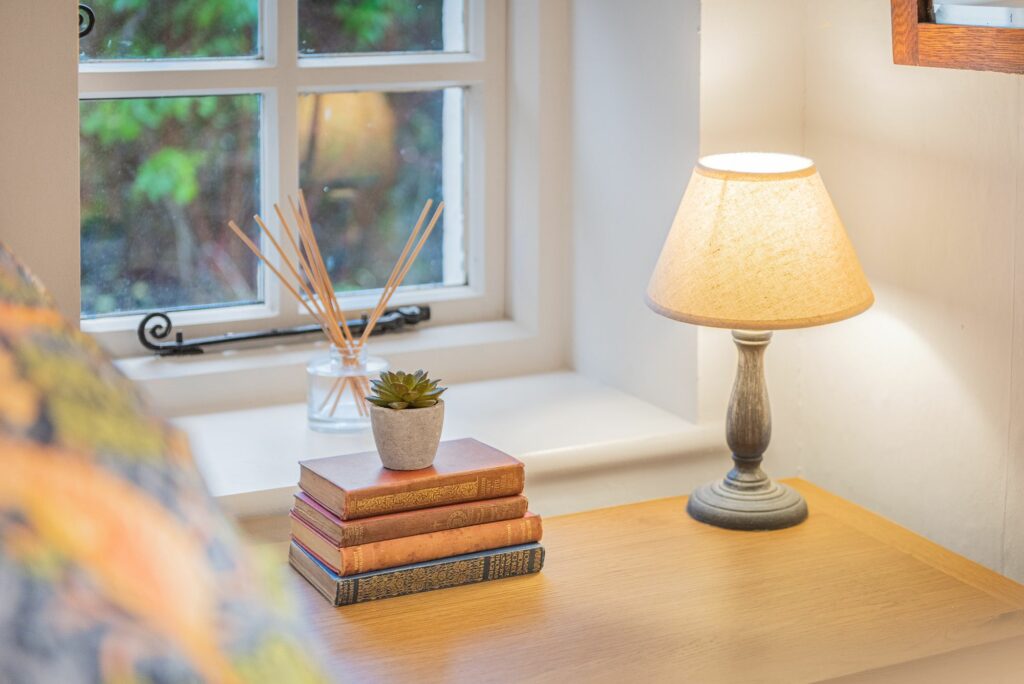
[(160, 179), (147, 29), (369, 162), (374, 26), (1002, 13)]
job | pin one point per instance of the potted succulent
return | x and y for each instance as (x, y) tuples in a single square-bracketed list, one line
[(406, 413)]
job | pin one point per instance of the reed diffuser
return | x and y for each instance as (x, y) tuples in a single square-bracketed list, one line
[(339, 382)]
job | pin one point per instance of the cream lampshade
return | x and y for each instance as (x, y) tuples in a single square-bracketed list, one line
[(756, 245)]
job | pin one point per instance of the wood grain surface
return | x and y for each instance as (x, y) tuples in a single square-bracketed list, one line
[(982, 48), (644, 593), (916, 40), (905, 15)]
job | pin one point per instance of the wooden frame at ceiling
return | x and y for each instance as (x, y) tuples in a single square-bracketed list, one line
[(917, 40)]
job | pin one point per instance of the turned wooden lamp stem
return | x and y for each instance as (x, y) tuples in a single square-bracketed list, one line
[(747, 499), (748, 423)]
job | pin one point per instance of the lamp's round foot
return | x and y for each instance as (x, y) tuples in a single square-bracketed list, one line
[(769, 508)]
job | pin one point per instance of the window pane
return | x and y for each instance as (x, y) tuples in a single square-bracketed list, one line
[(368, 26), (160, 179), (147, 29), (1001, 13), (369, 162)]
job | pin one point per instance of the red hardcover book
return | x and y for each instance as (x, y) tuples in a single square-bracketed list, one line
[(358, 486), (392, 553), (405, 524)]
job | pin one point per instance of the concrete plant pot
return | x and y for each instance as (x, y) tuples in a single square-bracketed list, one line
[(407, 439)]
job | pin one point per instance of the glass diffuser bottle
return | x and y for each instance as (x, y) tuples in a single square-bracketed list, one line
[(338, 385)]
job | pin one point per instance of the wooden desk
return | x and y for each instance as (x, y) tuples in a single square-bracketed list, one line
[(643, 593)]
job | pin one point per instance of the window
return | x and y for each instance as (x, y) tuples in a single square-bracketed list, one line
[(999, 13), (200, 111)]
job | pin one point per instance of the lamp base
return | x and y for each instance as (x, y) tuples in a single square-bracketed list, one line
[(772, 506), (747, 499)]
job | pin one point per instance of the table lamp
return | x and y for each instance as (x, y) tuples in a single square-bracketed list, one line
[(756, 246)]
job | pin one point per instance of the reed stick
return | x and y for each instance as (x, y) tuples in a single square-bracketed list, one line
[(386, 296), (287, 262), (326, 290), (255, 250), (398, 264), (303, 262)]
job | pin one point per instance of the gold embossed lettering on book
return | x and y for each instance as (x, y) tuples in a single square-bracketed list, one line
[(357, 524)]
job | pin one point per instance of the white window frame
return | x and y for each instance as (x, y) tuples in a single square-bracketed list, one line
[(279, 79), (533, 331)]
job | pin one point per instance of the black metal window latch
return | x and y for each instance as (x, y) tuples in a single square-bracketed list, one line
[(392, 320)]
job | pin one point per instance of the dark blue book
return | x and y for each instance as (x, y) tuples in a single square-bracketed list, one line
[(454, 571)]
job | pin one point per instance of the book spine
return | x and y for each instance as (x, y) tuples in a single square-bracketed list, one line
[(326, 584), (512, 563), (433, 545), (426, 520), (409, 523), (326, 523), (451, 489)]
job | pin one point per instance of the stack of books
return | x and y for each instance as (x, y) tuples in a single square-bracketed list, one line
[(361, 532)]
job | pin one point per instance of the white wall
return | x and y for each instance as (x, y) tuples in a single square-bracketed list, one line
[(913, 409), (39, 172), (635, 118)]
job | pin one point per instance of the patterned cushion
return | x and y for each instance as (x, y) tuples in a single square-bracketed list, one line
[(115, 563)]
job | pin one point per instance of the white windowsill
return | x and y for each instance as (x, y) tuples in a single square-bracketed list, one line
[(584, 444)]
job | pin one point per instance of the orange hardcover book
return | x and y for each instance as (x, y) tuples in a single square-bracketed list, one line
[(353, 560), (405, 524), (358, 486)]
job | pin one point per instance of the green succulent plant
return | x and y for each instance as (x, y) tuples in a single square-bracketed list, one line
[(400, 390)]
